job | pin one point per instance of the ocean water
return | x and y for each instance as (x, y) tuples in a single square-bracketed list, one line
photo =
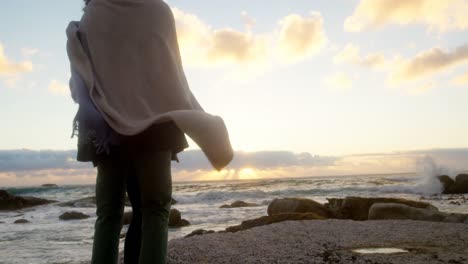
[(49, 240)]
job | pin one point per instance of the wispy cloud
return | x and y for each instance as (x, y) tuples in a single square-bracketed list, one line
[(419, 70), (29, 52), (461, 80), (428, 62), (58, 88), (442, 16), (339, 80), (11, 71), (351, 54)]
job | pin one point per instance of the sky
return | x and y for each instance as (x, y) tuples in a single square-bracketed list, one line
[(319, 87)]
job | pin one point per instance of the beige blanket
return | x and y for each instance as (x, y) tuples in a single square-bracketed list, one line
[(134, 73)]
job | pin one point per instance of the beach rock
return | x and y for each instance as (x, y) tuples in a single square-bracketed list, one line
[(127, 218), (297, 205), (73, 215), (446, 182), (175, 219), (49, 185), (238, 204), (12, 202), (270, 219), (456, 218), (357, 208), (460, 185), (200, 232), (175, 216), (182, 223), (22, 221), (393, 211)]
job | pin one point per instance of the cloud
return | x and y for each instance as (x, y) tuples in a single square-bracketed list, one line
[(11, 71), (351, 54), (56, 87), (194, 160), (30, 160), (440, 15), (26, 167), (302, 36), (29, 52), (233, 46), (422, 88), (296, 38), (57, 176), (400, 70), (461, 80), (249, 21), (339, 80), (202, 45), (428, 62)]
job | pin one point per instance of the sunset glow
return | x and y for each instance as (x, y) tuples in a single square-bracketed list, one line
[(310, 85)]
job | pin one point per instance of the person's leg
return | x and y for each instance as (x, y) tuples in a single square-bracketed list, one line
[(154, 176), (110, 193), (133, 237)]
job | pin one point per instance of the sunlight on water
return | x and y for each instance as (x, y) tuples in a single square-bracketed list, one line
[(380, 250)]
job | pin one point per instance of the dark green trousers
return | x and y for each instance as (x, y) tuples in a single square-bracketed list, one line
[(152, 172)]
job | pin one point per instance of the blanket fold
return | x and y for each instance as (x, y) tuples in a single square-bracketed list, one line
[(134, 73)]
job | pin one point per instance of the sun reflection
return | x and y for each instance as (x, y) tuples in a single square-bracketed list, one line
[(247, 173)]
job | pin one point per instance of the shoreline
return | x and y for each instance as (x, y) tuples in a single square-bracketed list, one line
[(205, 207)]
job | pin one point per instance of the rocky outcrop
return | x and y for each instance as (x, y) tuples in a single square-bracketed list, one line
[(276, 218), (22, 221), (357, 208), (297, 206), (200, 232), (238, 204), (446, 182), (73, 215), (49, 185), (392, 211), (457, 186), (12, 202), (175, 219)]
